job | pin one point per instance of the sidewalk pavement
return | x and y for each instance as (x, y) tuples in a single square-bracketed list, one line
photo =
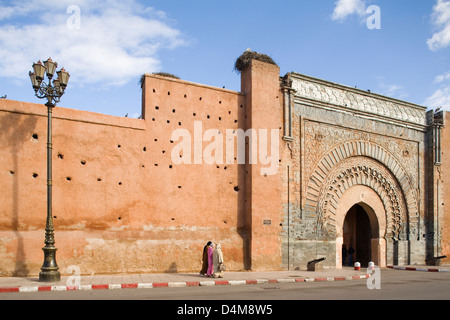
[(158, 280)]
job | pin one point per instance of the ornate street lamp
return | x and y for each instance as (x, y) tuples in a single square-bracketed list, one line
[(51, 92)]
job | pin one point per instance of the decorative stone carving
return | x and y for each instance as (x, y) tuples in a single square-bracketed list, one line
[(370, 173), (357, 100), (339, 158), (319, 138)]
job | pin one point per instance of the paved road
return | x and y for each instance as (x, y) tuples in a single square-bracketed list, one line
[(394, 285)]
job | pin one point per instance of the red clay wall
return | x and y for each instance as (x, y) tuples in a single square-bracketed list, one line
[(261, 86), (120, 204)]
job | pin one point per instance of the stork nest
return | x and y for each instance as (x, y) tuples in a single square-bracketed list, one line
[(166, 74), (163, 74), (244, 60)]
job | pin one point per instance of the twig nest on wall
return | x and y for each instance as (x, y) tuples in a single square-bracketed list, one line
[(166, 74), (244, 60)]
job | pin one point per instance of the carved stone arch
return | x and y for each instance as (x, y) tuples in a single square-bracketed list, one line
[(367, 172), (366, 163)]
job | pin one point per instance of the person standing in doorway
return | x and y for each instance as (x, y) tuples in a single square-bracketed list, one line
[(344, 254), (205, 259), (209, 273), (351, 251)]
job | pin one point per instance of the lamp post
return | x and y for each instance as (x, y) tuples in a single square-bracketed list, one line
[(51, 92)]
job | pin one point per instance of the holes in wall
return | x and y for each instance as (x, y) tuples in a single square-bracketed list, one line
[(120, 183), (144, 149), (200, 98), (11, 172), (119, 218), (170, 166), (156, 107), (236, 188), (168, 121), (185, 96), (35, 175), (154, 91), (35, 136), (60, 156), (173, 110), (179, 187), (168, 93), (119, 146), (99, 179), (83, 162), (194, 114), (69, 178)]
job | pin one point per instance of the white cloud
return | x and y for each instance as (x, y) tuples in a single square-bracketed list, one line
[(345, 8), (442, 77), (116, 40), (441, 19), (393, 90), (441, 97), (396, 91)]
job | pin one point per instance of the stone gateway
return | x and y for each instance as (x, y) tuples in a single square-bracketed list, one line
[(337, 167)]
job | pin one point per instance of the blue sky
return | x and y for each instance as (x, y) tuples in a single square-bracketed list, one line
[(107, 45)]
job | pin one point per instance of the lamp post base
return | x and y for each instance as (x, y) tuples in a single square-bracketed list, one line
[(49, 276), (49, 271)]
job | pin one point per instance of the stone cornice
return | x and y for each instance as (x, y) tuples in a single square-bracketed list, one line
[(329, 95)]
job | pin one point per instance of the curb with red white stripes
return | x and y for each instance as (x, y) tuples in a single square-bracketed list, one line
[(174, 284), (419, 269)]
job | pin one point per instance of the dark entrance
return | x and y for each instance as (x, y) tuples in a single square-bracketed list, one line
[(357, 232)]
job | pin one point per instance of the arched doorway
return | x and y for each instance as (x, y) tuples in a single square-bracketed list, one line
[(357, 235), (361, 206), (364, 173)]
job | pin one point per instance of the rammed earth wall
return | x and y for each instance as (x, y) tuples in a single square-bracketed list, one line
[(122, 203)]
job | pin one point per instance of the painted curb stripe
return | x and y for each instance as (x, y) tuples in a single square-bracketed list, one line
[(419, 269), (160, 285), (175, 284), (193, 283), (12, 289)]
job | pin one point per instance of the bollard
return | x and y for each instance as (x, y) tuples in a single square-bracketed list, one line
[(371, 265), (357, 266)]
